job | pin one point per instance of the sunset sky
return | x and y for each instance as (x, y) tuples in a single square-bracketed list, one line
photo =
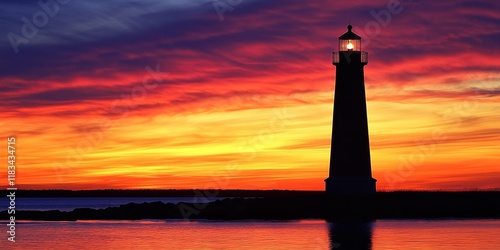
[(239, 94)]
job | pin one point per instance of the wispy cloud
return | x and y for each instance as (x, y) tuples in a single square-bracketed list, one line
[(225, 78)]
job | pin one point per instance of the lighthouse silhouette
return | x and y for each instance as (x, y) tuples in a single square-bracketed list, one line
[(350, 164)]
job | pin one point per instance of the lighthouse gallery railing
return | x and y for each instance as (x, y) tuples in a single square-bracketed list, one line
[(336, 57)]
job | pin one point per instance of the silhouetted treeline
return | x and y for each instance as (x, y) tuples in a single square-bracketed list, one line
[(299, 205)]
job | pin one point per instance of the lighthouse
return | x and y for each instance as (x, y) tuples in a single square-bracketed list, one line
[(350, 164)]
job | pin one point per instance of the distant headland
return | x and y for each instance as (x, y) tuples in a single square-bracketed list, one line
[(275, 205)]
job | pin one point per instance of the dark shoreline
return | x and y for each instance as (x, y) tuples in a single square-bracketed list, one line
[(291, 205)]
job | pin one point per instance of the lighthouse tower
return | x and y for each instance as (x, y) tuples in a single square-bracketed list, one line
[(350, 166)]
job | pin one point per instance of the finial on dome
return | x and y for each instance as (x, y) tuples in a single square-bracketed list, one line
[(349, 27)]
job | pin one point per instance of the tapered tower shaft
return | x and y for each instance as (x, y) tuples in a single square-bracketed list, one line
[(350, 164)]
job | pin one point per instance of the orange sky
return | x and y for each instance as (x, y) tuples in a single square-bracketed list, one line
[(246, 102)]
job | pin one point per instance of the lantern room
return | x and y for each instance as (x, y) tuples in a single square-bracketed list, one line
[(349, 41)]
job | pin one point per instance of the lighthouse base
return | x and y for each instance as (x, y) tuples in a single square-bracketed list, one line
[(350, 185)]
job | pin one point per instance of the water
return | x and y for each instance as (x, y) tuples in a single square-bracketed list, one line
[(68, 204), (306, 234)]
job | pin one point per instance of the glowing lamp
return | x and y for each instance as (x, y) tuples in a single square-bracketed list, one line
[(350, 46), (349, 41)]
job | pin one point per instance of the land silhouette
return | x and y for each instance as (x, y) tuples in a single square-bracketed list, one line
[(275, 205)]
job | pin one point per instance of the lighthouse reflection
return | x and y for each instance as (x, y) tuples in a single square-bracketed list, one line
[(350, 235)]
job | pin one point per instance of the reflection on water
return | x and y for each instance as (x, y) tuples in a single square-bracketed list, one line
[(350, 235), (306, 234)]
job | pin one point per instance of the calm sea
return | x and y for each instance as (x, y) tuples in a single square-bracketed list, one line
[(180, 234), (306, 234)]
